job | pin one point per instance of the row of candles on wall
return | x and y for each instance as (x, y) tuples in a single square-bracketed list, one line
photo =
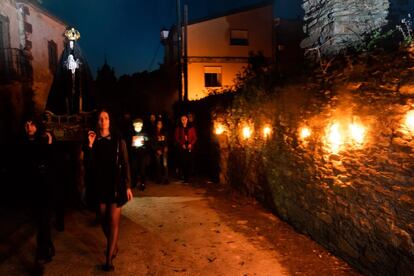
[(336, 135)]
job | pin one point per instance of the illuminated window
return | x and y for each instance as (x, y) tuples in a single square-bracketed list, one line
[(212, 76), (239, 37)]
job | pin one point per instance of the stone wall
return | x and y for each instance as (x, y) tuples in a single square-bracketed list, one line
[(333, 25), (355, 197)]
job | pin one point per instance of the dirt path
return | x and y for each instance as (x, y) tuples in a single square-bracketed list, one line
[(180, 229)]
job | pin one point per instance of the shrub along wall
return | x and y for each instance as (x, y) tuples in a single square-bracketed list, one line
[(353, 192)]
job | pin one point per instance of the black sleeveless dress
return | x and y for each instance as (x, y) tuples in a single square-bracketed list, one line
[(104, 150)]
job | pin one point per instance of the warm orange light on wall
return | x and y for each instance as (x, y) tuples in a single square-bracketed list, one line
[(267, 131), (357, 133), (219, 129), (304, 133), (409, 120), (247, 132), (334, 137)]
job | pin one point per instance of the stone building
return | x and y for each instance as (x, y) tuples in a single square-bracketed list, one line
[(31, 40)]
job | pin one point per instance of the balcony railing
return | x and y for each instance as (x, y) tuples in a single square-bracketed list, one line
[(14, 65)]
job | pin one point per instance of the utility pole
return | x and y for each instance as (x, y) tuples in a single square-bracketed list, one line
[(185, 65), (179, 51)]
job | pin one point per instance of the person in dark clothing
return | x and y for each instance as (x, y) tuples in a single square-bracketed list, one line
[(160, 150), (107, 157), (37, 150), (185, 137), (140, 154), (151, 125)]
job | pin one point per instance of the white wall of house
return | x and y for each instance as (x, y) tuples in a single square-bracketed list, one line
[(196, 83)]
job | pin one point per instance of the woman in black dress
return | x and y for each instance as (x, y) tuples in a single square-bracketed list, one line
[(108, 160)]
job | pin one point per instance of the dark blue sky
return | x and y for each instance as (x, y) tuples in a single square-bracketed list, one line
[(127, 31)]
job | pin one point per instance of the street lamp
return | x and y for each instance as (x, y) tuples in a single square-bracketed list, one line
[(164, 35)]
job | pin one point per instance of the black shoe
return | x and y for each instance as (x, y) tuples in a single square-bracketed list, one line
[(115, 253), (108, 267), (51, 252), (45, 257)]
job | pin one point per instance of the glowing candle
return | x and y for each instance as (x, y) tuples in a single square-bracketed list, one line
[(409, 120), (219, 129), (266, 132), (247, 132), (357, 133), (334, 137), (305, 133)]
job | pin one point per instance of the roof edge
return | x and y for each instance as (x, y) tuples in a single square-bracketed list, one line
[(37, 6), (262, 4)]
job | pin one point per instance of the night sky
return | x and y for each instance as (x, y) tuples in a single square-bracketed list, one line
[(127, 32)]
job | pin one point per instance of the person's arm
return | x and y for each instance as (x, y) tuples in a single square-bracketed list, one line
[(192, 136), (153, 142), (166, 140), (126, 170), (177, 136), (49, 138), (87, 149), (91, 138), (126, 173)]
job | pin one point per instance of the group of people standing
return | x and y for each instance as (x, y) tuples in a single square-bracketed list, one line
[(153, 145), (115, 162)]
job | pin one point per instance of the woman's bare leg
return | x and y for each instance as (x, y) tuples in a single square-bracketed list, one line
[(114, 216), (103, 212)]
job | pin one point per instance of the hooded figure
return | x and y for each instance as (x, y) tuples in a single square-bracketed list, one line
[(71, 90)]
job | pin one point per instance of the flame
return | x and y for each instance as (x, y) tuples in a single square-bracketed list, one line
[(219, 129), (357, 132), (409, 120), (334, 138), (247, 132), (267, 131), (305, 132)]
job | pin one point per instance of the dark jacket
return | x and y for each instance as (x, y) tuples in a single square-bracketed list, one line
[(159, 141), (37, 165)]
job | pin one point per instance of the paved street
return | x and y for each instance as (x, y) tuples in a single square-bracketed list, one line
[(174, 229)]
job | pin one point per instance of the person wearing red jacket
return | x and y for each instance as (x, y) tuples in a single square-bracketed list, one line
[(185, 137)]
